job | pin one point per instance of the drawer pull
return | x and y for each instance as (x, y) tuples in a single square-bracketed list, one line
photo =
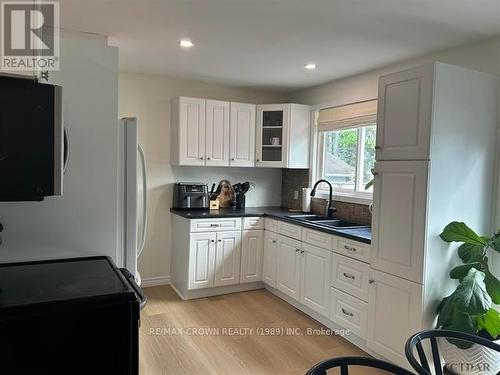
[(349, 276), (350, 248), (214, 225), (348, 313), (274, 241)]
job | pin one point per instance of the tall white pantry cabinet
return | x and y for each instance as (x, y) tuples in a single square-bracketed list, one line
[(435, 152)]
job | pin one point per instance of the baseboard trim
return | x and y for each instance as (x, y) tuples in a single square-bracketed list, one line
[(155, 281)]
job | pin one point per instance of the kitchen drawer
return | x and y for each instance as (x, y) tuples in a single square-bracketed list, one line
[(317, 238), (349, 312), (271, 225), (352, 249), (350, 276), (290, 230), (209, 225), (253, 223)]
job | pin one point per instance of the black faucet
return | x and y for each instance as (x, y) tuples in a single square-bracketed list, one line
[(330, 210)]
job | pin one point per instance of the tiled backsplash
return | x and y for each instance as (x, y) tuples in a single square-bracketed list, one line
[(293, 180), (296, 179)]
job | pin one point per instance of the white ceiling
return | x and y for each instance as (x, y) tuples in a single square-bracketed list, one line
[(265, 43)]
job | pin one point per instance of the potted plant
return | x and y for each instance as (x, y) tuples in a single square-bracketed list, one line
[(470, 308)]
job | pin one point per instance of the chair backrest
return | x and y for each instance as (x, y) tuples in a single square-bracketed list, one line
[(345, 362), (422, 364)]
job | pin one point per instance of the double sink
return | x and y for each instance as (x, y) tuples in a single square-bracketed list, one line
[(326, 222)]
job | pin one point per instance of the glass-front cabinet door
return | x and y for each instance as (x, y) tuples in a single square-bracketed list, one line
[(271, 135)]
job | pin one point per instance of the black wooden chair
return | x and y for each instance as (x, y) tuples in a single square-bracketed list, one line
[(422, 364), (345, 362)]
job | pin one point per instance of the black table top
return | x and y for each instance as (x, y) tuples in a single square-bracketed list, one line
[(279, 213), (44, 282)]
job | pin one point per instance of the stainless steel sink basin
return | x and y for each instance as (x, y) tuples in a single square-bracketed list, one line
[(307, 217), (337, 224), (326, 222)]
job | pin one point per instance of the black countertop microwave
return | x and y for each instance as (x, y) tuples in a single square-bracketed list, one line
[(31, 139)]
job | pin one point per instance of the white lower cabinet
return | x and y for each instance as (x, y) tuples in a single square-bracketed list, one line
[(252, 249), (394, 314), (349, 312), (288, 275), (214, 259), (315, 278), (227, 258), (269, 263), (202, 260), (350, 276)]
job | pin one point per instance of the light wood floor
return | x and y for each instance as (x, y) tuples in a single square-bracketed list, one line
[(175, 352)]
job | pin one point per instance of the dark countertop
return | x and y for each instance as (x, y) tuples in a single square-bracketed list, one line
[(279, 213)]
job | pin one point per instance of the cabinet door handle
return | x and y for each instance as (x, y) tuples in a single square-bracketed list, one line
[(213, 241), (349, 276), (374, 172), (258, 160), (348, 313), (371, 281), (232, 159), (350, 248), (219, 240), (302, 251), (208, 158), (377, 147), (274, 241), (297, 250)]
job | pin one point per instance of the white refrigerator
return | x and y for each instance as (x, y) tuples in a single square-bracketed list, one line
[(133, 195)]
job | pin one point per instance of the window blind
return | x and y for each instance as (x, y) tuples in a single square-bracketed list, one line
[(347, 116)]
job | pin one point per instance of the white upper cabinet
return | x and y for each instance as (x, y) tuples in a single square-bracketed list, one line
[(283, 135), (217, 133), (188, 131), (404, 114), (212, 133), (242, 135), (399, 213)]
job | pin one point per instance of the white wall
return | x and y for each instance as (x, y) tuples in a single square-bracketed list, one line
[(482, 56), (84, 219), (147, 97)]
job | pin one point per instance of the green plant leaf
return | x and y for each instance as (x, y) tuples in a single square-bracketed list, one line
[(471, 253), (471, 296), (490, 322), (459, 232), (460, 272), (492, 287), (462, 322), (369, 184)]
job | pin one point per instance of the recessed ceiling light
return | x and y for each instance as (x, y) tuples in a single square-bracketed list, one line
[(310, 66), (185, 43)]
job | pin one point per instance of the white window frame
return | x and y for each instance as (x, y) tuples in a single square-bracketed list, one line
[(316, 165)]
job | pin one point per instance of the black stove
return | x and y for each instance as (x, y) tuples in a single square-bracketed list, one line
[(69, 316)]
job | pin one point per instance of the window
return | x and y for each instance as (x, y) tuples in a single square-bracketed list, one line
[(346, 147), (347, 158)]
